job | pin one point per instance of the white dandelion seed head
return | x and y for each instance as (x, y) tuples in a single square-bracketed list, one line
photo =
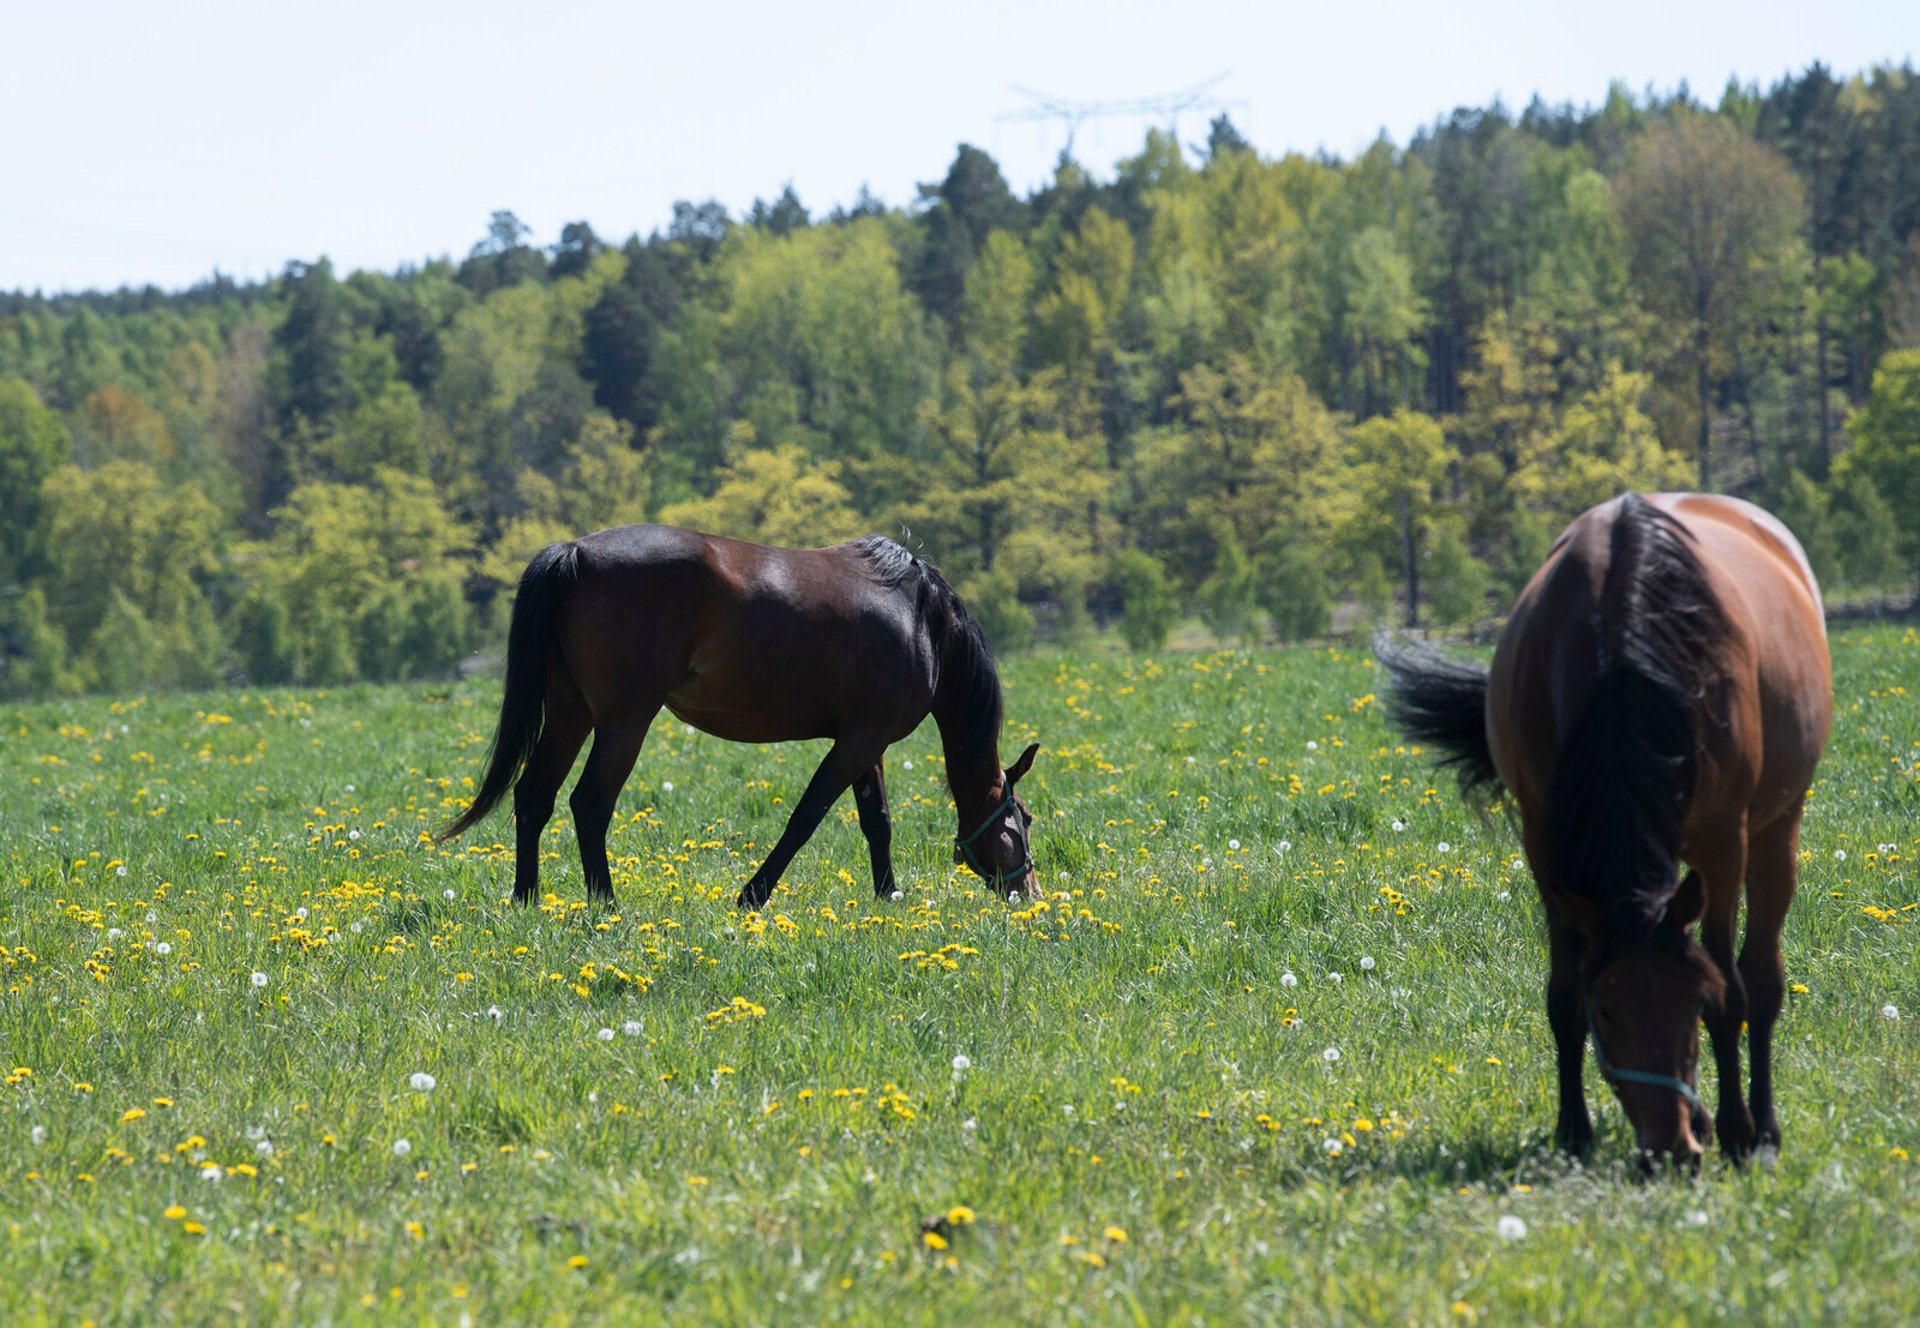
[(1504, 896), (152, 916), (38, 1134), (1233, 846), (1335, 978), (1333, 1147), (447, 893), (1890, 1011), (631, 1028), (1510, 1227), (1887, 848), (120, 870), (354, 927), (353, 834), (961, 1062), (301, 912), (422, 1081), (897, 896), (1065, 877), (1366, 963), (605, 1035), (1312, 746), (666, 786), (906, 765), (1189, 760), (1283, 846), (1067, 1108), (1443, 847), (495, 1013), (1696, 1218), (594, 1098), (114, 933), (1330, 1055), (264, 1148), (1289, 980), (969, 1125), (1399, 824), (349, 788), (212, 1174), (1839, 855), (259, 979), (163, 947), (401, 1147)]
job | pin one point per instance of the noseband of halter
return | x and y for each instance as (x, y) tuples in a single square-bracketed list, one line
[(1614, 1075), (963, 848)]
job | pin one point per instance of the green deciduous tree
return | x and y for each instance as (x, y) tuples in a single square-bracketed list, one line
[(1707, 214)]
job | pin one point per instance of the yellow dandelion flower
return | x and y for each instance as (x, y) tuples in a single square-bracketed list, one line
[(131, 1114), (163, 1102), (83, 1087), (1118, 1235), (934, 1240), (960, 1216), (1093, 1258), (193, 1228), (578, 1261), (417, 1231), (174, 1213)]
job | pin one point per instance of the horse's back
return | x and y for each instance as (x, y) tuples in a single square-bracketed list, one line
[(747, 641), (1774, 706)]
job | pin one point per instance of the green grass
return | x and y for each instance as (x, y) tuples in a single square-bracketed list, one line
[(767, 1145)]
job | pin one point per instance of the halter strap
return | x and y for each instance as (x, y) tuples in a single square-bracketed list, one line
[(1618, 1076), (964, 847)]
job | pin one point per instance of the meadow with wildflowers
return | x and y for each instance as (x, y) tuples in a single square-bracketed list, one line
[(1272, 1049)]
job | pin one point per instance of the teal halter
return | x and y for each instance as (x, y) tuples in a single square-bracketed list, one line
[(963, 848), (1617, 1076)]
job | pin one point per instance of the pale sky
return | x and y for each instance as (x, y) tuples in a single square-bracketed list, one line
[(155, 142)]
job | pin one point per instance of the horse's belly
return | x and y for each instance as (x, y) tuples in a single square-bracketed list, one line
[(741, 720)]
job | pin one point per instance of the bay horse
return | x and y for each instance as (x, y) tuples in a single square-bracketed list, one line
[(856, 643), (1659, 696)]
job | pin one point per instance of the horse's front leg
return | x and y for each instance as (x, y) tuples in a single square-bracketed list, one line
[(1772, 869), (1723, 869), (845, 762), (876, 823), (1567, 1016)]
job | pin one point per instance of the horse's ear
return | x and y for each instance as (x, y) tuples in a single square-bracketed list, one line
[(1017, 771), (1689, 901)]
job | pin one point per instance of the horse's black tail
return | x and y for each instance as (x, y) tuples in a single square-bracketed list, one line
[(1441, 702), (543, 588)]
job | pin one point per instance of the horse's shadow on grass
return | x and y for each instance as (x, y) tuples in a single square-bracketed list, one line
[(1487, 1161)]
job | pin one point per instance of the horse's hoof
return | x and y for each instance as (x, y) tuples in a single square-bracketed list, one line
[(1576, 1140)]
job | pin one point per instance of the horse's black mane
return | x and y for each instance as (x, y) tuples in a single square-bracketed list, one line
[(1618, 800), (967, 694)]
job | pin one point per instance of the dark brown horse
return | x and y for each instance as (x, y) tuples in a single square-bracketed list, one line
[(856, 643), (1660, 696)]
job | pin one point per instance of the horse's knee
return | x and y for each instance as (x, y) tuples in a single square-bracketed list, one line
[(532, 804), (591, 807)]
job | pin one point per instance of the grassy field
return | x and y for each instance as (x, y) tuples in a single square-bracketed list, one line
[(1272, 1051)]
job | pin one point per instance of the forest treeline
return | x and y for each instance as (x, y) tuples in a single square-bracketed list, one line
[(1260, 390)]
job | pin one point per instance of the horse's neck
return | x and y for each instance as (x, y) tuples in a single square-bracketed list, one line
[(973, 763)]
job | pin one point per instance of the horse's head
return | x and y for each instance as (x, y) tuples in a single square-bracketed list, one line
[(999, 850), (1645, 998)]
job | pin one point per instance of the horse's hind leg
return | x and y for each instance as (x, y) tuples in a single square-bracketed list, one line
[(616, 745), (1772, 865), (876, 823), (564, 728)]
